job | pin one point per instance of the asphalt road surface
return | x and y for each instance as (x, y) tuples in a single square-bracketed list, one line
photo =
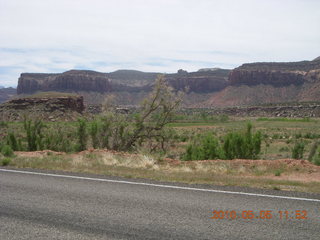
[(59, 206)]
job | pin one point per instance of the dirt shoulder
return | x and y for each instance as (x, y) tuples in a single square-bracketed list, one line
[(282, 174)]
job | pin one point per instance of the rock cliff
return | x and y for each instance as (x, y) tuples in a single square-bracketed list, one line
[(199, 82), (119, 81), (275, 74), (259, 83), (249, 84)]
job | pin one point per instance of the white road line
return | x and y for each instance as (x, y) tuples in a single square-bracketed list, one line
[(158, 185)]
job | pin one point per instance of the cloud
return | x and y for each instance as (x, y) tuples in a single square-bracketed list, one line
[(152, 35)]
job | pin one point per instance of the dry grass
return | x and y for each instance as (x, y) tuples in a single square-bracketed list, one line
[(296, 175)]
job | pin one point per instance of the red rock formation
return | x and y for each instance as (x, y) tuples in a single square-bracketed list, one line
[(275, 74), (74, 80)]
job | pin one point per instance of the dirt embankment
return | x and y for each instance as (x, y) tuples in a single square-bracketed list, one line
[(282, 169)]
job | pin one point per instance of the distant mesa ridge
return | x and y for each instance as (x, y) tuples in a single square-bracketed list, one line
[(250, 83), (121, 80), (276, 74)]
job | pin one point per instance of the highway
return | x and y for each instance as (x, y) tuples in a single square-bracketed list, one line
[(38, 204)]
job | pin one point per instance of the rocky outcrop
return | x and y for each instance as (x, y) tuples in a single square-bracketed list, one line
[(292, 110), (45, 108)]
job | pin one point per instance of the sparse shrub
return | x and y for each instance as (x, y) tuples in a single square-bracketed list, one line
[(94, 134), (5, 161), (276, 136), (82, 135), (278, 172), (316, 160), (58, 140), (284, 149), (12, 141), (298, 150), (313, 150), (204, 116), (311, 135), (288, 141), (34, 134), (224, 118), (316, 156), (3, 124), (183, 137), (7, 151)]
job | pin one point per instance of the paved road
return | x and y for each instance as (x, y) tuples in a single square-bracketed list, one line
[(56, 207)]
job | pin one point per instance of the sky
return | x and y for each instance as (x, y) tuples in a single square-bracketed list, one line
[(153, 35)]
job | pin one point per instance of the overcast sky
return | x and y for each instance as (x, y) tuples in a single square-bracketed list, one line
[(153, 35)]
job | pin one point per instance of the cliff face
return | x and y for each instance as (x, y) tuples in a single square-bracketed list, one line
[(71, 80), (260, 83), (249, 84), (119, 81), (275, 74), (274, 78), (199, 82)]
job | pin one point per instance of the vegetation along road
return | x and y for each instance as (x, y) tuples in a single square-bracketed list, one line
[(53, 205)]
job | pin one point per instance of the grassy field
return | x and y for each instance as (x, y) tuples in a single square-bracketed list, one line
[(279, 135), (278, 138)]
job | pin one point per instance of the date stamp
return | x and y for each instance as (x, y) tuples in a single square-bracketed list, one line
[(260, 214)]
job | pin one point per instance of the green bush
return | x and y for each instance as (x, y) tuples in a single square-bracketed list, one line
[(278, 172), (7, 151), (5, 161), (298, 150), (204, 147), (235, 145), (242, 145)]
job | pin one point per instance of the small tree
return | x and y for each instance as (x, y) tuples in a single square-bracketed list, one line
[(124, 131), (156, 112)]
